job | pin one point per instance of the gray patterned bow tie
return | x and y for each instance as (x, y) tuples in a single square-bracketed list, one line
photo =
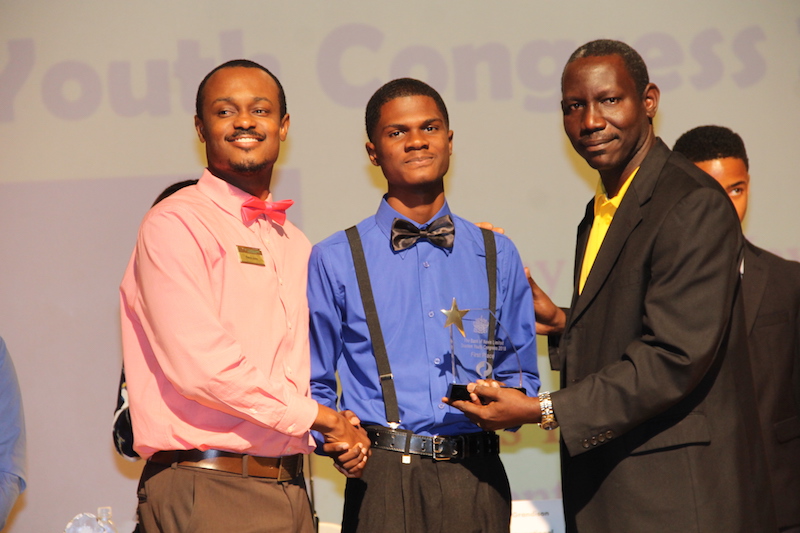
[(440, 232)]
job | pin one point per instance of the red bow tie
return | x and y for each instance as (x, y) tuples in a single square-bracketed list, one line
[(253, 208)]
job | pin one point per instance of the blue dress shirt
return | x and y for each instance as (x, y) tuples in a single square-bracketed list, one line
[(411, 288)]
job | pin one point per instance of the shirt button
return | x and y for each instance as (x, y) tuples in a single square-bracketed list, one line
[(426, 264), (253, 410), (431, 314), (441, 406), (437, 361), (290, 429)]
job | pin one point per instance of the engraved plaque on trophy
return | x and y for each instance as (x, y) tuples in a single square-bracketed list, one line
[(476, 339)]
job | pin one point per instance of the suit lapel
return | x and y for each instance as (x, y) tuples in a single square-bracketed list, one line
[(584, 228), (627, 217), (754, 282)]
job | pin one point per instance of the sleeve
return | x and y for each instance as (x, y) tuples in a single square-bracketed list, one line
[(796, 339), (325, 330), (517, 322), (198, 354), (12, 436), (10, 488), (553, 340), (690, 285)]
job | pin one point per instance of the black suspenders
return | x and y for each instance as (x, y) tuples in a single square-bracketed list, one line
[(375, 333), (373, 323), (491, 275)]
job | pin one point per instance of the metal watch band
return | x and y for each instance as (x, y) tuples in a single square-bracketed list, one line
[(548, 416)]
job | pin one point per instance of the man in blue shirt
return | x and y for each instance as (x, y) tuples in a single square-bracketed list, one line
[(417, 480)]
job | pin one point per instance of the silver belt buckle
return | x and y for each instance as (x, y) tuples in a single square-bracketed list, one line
[(438, 449)]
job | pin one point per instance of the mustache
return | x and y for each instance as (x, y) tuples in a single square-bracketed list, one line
[(239, 132)]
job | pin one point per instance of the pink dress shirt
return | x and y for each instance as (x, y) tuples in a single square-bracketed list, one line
[(216, 347)]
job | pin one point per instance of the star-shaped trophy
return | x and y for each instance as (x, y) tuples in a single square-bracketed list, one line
[(472, 353), (455, 317), (465, 344)]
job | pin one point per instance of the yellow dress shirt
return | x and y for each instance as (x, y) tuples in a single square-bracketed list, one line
[(604, 210)]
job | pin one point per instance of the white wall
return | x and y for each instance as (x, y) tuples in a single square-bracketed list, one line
[(96, 118)]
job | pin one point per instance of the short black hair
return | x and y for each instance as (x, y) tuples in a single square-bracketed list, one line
[(634, 63), (705, 143), (396, 89), (246, 63)]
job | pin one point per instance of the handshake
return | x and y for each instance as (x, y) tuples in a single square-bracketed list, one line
[(345, 440)]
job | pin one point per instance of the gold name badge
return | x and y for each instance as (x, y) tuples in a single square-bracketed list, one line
[(252, 256)]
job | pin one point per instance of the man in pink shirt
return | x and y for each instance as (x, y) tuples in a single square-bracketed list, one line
[(215, 333)]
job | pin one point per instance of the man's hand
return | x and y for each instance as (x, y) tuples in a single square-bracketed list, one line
[(351, 463), (474, 397), (493, 408), (550, 319), (490, 226), (345, 440)]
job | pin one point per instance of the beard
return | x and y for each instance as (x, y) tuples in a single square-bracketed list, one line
[(248, 167)]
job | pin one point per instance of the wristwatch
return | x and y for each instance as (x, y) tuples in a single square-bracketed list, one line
[(549, 421)]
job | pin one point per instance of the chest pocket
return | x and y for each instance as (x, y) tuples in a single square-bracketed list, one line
[(779, 317)]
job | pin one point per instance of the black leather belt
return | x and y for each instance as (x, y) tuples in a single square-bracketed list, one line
[(440, 448), (279, 468)]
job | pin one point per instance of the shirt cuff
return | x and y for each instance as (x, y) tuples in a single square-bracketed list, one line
[(298, 417)]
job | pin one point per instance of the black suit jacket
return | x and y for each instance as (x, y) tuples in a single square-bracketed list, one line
[(771, 288), (656, 407)]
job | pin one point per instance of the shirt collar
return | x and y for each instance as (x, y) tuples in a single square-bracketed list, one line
[(386, 215), (605, 205), (229, 197)]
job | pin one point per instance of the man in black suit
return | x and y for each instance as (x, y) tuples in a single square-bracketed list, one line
[(771, 290), (656, 405)]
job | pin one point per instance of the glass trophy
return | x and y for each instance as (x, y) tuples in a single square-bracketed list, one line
[(474, 344)]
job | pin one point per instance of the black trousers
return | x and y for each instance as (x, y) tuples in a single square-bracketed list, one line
[(469, 496)]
